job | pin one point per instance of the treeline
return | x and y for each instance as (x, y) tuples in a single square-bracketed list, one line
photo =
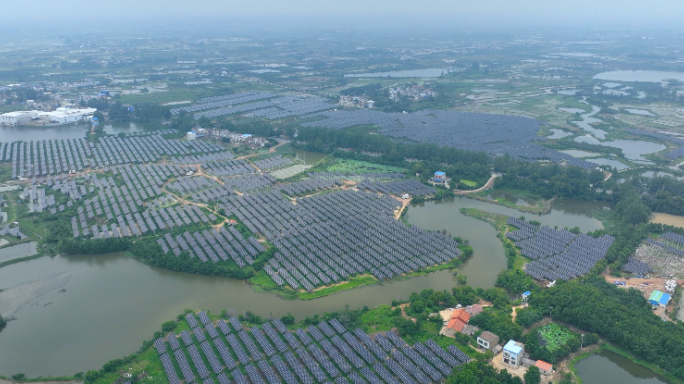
[(548, 179), (94, 246), (621, 316), (327, 140), (149, 252), (144, 112)]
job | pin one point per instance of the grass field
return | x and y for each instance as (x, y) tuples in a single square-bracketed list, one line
[(346, 165), (469, 183)]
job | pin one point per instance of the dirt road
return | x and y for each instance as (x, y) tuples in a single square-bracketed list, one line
[(487, 185)]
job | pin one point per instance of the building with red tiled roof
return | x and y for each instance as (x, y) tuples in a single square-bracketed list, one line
[(544, 367), (456, 324), (461, 314)]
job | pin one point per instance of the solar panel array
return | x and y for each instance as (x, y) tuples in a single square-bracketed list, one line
[(637, 267), (327, 238), (211, 244), (493, 134), (337, 355), (274, 162), (398, 188), (557, 254), (51, 157)]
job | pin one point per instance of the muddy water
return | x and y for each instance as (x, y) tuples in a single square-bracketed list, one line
[(666, 218)]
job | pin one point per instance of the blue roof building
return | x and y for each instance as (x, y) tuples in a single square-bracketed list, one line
[(512, 353)]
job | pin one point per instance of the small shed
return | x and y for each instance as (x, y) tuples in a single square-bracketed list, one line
[(544, 367)]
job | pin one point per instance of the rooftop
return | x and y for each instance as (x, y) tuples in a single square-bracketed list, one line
[(543, 365), (512, 347)]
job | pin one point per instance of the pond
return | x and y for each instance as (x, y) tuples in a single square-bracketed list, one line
[(613, 163), (608, 367), (666, 218), (645, 76), (578, 153), (572, 110), (131, 127), (18, 251), (558, 134), (635, 149), (31, 133), (641, 112), (309, 158), (427, 72)]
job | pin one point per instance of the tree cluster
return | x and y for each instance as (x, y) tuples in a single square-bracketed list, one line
[(621, 316)]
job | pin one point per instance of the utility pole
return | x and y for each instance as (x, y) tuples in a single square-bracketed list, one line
[(551, 312), (582, 342)]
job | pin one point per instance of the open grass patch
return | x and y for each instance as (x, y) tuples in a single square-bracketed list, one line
[(469, 183), (357, 166)]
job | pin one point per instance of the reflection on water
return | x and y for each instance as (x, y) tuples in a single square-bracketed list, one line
[(607, 367), (558, 134), (635, 149), (115, 301), (646, 76)]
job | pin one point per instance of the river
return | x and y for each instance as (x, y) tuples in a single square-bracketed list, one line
[(111, 303), (608, 367)]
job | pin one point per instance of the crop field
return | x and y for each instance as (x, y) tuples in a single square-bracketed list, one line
[(469, 183), (555, 336), (361, 167)]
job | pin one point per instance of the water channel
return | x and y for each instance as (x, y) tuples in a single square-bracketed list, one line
[(112, 302), (608, 367)]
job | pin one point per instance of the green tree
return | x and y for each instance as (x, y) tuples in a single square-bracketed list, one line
[(169, 326), (532, 376)]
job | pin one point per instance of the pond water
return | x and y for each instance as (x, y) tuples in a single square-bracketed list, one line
[(558, 134), (587, 119), (642, 112), (607, 367), (635, 149), (666, 218), (508, 196), (309, 158), (115, 301), (30, 133), (578, 153), (18, 251), (572, 110), (111, 303), (427, 72), (645, 76), (115, 128), (612, 163)]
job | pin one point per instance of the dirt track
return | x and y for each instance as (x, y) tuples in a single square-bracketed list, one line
[(487, 185)]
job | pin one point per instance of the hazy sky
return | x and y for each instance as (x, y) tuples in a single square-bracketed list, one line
[(645, 13)]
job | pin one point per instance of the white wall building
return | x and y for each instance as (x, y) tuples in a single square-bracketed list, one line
[(59, 116)]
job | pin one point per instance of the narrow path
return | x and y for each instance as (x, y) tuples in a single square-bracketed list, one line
[(487, 185)]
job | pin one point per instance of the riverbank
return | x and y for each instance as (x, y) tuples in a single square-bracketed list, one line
[(499, 223), (541, 208), (261, 282)]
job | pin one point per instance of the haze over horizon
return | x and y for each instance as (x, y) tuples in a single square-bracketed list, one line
[(488, 14)]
